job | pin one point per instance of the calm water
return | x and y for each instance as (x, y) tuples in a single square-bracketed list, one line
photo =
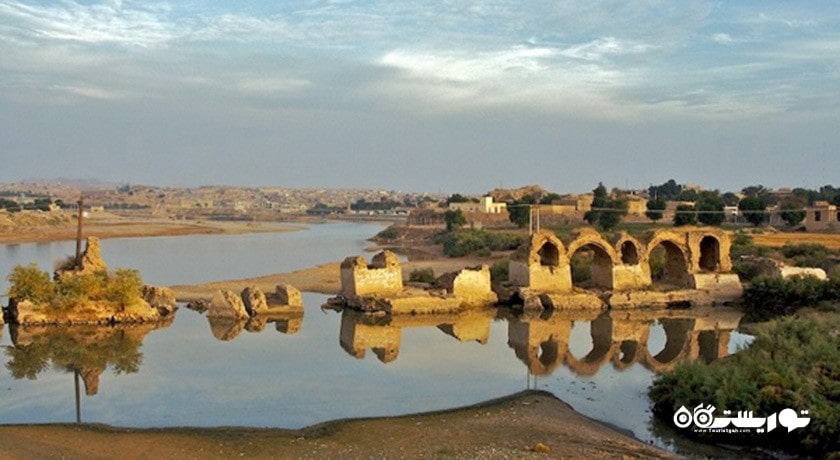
[(295, 371)]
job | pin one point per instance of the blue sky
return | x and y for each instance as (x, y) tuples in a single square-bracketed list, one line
[(422, 96)]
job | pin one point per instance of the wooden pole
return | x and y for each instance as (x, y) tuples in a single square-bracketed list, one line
[(79, 235)]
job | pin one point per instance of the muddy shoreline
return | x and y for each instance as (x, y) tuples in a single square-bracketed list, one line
[(526, 424)]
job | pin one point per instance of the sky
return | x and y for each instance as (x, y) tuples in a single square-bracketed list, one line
[(447, 96)]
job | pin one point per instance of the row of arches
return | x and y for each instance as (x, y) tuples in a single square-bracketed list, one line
[(665, 258)]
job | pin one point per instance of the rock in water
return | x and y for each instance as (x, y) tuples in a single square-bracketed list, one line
[(226, 304), (287, 294), (254, 300), (160, 298)]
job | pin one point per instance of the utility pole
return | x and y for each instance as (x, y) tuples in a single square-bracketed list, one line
[(79, 235)]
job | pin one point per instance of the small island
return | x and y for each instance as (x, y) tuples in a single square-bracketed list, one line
[(84, 291)]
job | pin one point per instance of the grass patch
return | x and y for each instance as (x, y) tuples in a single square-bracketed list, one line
[(794, 362)]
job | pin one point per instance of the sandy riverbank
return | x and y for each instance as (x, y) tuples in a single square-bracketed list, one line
[(110, 226), (509, 427)]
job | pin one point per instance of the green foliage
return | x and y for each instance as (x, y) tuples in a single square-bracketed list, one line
[(606, 213), (123, 287), (500, 271), (792, 363), (710, 208), (688, 195), (810, 255), (581, 265), (30, 283), (457, 198), (746, 270), (792, 213), (550, 198), (657, 260), (668, 191), (390, 233), (655, 208), (685, 215), (454, 219), (753, 209), (768, 297), (730, 199), (462, 242), (422, 275), (519, 211), (742, 245)]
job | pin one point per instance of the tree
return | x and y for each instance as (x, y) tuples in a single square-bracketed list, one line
[(30, 283), (519, 211), (753, 209), (709, 206), (454, 219), (688, 195), (792, 213), (655, 208), (606, 213), (668, 191), (730, 199), (457, 198), (550, 198), (685, 215)]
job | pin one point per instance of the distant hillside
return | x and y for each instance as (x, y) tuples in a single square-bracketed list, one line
[(501, 194)]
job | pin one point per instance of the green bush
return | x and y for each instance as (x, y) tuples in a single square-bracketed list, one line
[(422, 275), (463, 242), (746, 270), (792, 363), (581, 265), (767, 297), (500, 271), (390, 233), (123, 287), (809, 255), (742, 245), (30, 283)]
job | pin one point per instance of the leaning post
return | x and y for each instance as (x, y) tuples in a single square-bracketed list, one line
[(79, 235)]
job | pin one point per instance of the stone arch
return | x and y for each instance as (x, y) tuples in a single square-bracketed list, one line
[(709, 259), (675, 263), (604, 258), (549, 254), (629, 253)]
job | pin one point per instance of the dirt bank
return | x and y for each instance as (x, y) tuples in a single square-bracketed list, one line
[(109, 226), (510, 427)]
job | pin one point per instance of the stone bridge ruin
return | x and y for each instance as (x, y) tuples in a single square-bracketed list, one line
[(658, 269)]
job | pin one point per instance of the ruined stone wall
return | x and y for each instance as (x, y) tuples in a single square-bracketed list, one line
[(383, 276), (630, 277), (471, 285), (541, 264)]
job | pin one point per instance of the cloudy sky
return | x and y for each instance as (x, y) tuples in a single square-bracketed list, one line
[(422, 96)]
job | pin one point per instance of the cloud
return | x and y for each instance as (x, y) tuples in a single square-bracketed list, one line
[(723, 39), (109, 22)]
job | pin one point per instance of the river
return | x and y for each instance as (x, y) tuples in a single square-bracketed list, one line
[(295, 371)]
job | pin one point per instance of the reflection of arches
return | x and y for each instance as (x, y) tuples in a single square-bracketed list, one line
[(549, 254), (668, 264), (677, 344), (629, 351), (629, 253), (602, 350), (709, 253), (713, 344)]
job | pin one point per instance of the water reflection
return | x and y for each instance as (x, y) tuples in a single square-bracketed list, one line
[(382, 334), (226, 329), (542, 342), (84, 351)]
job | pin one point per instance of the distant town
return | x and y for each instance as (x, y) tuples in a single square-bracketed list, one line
[(807, 209)]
